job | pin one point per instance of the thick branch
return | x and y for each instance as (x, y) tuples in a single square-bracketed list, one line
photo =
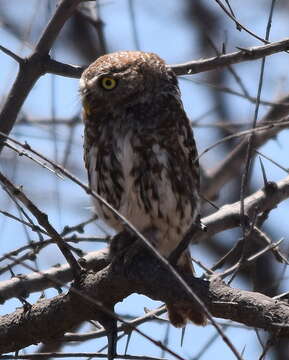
[(48, 319)]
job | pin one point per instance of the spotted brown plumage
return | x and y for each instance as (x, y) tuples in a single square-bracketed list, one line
[(140, 153)]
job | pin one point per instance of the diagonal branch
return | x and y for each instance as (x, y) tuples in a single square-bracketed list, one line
[(35, 281), (43, 221)]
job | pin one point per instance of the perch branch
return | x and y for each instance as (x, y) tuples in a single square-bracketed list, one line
[(146, 276)]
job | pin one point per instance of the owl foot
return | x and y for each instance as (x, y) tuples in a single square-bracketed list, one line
[(134, 249), (119, 243)]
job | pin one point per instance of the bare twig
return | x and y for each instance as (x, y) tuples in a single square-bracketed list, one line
[(42, 219), (11, 54), (238, 24), (191, 67), (253, 53)]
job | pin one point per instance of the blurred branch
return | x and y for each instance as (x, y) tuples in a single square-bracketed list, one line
[(74, 355), (149, 316), (230, 166)]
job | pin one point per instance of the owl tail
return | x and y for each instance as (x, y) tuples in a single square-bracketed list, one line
[(180, 313)]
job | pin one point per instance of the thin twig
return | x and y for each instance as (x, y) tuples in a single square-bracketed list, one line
[(249, 260), (42, 219)]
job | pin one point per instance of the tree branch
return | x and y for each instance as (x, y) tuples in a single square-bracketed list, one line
[(145, 275), (190, 67), (228, 216), (22, 286), (248, 54)]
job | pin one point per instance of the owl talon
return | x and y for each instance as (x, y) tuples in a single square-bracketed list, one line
[(119, 243), (131, 252)]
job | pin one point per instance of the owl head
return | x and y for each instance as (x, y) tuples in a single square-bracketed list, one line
[(126, 77)]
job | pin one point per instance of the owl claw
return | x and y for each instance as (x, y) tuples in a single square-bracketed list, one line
[(119, 244), (131, 252)]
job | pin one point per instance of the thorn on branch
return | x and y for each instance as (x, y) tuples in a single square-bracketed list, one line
[(263, 173), (12, 54), (244, 50)]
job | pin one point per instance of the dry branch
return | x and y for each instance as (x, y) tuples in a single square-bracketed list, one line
[(50, 319), (22, 286), (248, 54), (190, 67), (228, 216)]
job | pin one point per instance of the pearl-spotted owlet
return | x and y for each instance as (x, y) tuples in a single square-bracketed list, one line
[(140, 154)]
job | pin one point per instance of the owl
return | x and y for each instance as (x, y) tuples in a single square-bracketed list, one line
[(140, 153)]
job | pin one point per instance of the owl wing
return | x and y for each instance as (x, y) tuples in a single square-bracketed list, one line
[(185, 146)]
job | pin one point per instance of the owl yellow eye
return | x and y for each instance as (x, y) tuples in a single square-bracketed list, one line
[(108, 83)]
